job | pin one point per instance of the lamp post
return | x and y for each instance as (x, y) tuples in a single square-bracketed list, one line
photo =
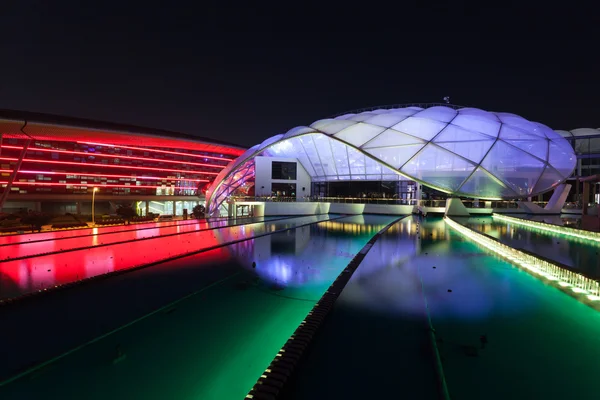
[(93, 203)]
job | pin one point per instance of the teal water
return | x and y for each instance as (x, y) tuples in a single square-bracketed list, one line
[(542, 343)]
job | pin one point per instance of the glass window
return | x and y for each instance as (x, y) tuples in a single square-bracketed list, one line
[(283, 170)]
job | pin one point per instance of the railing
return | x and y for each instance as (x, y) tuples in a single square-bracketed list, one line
[(391, 106), (563, 276), (381, 200)]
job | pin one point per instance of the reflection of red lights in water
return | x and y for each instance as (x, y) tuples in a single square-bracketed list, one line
[(80, 242), (86, 231), (32, 274)]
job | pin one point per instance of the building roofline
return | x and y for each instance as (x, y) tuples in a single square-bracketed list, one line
[(67, 121)]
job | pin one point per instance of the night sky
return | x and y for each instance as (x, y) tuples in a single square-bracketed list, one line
[(244, 74)]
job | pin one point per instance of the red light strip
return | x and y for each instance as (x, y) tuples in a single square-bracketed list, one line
[(105, 175), (100, 186), (158, 151), (112, 155), (110, 166)]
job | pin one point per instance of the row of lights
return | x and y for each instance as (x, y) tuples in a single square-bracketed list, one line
[(563, 277), (595, 236)]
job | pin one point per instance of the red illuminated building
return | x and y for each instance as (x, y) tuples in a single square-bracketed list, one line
[(52, 164)]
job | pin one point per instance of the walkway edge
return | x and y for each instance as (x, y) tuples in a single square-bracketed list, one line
[(271, 383)]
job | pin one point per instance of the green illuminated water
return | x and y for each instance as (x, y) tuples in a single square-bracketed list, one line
[(215, 344), (542, 343)]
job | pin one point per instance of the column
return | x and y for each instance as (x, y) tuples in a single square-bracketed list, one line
[(147, 207), (78, 207), (174, 208), (586, 197)]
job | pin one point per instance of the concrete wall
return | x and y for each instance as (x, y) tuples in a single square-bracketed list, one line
[(301, 208), (311, 208), (262, 185)]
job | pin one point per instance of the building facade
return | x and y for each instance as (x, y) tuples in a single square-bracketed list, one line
[(52, 164)]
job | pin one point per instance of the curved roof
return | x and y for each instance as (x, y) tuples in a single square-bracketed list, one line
[(465, 152), (588, 139), (579, 132), (20, 124)]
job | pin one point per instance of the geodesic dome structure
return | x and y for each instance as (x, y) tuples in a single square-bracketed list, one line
[(464, 152)]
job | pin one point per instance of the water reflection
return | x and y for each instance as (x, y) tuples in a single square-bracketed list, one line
[(35, 273), (303, 262), (425, 254)]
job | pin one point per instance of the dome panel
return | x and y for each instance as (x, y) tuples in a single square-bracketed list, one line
[(538, 148), (517, 169), (477, 113), (545, 130), (392, 138), (420, 127), (299, 130), (443, 114), (270, 141), (345, 116), (477, 123), (549, 179), (387, 120), (474, 151), (361, 117), (524, 125), (508, 132), (312, 154), (562, 158), (331, 126), (503, 116), (322, 144), (340, 157), (395, 156), (356, 160), (359, 134), (438, 168), (485, 186), (453, 133)]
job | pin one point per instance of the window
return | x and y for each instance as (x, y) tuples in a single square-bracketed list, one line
[(283, 170), (283, 189)]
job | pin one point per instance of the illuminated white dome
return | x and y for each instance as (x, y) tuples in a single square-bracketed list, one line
[(464, 152)]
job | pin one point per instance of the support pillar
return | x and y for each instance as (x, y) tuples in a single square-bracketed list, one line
[(455, 207), (174, 208), (147, 207), (78, 207), (586, 197), (13, 174)]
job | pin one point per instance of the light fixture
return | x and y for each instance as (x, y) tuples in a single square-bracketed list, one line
[(595, 236), (535, 266)]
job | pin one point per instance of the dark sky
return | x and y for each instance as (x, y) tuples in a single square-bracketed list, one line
[(244, 74)]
